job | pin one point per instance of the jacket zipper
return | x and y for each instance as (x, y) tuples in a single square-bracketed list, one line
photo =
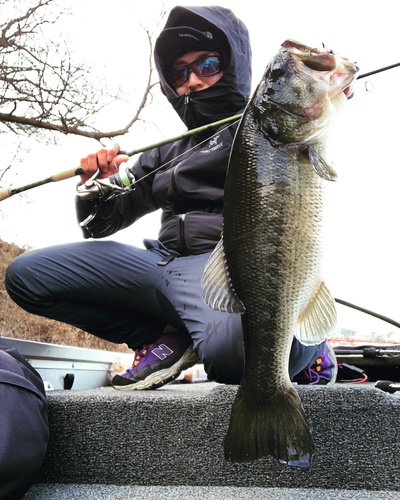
[(181, 216), (182, 233)]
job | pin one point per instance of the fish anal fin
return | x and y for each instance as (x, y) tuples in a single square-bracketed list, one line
[(278, 428), (320, 165), (319, 317), (217, 289)]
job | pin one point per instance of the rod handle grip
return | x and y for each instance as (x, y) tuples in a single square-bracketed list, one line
[(66, 174), (4, 194)]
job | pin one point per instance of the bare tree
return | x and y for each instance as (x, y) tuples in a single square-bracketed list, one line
[(41, 86)]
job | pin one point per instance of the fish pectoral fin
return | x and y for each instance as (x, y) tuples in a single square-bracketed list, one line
[(216, 286), (319, 317), (321, 166)]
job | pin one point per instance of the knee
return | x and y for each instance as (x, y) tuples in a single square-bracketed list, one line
[(222, 356), (11, 277), (18, 278), (223, 369)]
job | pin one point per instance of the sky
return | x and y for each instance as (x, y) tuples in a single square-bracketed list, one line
[(361, 262)]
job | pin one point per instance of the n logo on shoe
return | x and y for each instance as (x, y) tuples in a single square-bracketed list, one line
[(162, 351)]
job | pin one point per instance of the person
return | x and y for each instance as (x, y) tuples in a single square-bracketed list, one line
[(150, 298), (24, 426)]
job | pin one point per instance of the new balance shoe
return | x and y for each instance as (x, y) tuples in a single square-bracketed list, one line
[(322, 372), (157, 364)]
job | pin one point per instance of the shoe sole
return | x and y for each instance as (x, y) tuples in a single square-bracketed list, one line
[(163, 377)]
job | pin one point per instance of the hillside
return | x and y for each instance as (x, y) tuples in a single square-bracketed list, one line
[(16, 323)]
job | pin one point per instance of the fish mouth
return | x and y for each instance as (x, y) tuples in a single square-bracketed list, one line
[(313, 58), (335, 69)]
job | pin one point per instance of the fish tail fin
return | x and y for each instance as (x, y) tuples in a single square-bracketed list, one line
[(278, 428)]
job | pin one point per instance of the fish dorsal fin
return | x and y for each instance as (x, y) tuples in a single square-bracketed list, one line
[(216, 285), (321, 166), (319, 317)]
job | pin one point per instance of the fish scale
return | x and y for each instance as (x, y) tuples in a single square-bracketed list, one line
[(267, 265)]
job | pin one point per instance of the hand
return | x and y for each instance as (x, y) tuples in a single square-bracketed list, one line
[(108, 160), (349, 91)]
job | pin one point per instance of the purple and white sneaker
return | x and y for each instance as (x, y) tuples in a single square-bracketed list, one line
[(322, 372), (157, 364)]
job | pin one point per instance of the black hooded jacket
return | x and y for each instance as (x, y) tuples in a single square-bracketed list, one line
[(190, 189)]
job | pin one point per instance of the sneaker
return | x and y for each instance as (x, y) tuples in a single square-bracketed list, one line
[(157, 364), (322, 372)]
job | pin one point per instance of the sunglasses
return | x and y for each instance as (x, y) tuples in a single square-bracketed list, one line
[(204, 66)]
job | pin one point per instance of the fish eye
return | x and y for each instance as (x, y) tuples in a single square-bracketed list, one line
[(277, 73)]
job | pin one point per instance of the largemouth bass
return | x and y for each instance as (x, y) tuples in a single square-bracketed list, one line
[(267, 265)]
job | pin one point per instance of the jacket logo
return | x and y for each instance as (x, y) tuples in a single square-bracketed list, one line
[(213, 145), (214, 141)]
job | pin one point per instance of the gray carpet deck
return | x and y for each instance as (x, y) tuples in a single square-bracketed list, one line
[(171, 441), (104, 492)]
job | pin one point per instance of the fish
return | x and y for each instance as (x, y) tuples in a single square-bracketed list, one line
[(268, 264)]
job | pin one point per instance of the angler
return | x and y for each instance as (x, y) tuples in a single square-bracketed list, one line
[(150, 298)]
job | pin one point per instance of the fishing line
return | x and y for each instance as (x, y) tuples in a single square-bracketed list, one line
[(67, 174), (185, 152), (124, 181), (368, 87)]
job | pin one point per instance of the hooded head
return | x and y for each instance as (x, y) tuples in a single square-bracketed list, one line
[(206, 29)]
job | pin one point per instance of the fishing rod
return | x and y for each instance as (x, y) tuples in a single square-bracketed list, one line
[(67, 174), (374, 72), (371, 313)]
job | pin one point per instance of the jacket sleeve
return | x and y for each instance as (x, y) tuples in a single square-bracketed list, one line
[(123, 210)]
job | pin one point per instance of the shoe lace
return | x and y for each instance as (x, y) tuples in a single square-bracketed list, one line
[(139, 356), (312, 374), (317, 371)]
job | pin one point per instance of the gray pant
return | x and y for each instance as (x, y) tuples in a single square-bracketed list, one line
[(126, 294)]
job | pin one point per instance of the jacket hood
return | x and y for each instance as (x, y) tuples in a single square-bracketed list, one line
[(213, 28)]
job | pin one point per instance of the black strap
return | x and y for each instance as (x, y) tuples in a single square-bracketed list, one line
[(166, 260)]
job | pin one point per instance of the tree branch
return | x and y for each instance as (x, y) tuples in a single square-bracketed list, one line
[(45, 88)]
